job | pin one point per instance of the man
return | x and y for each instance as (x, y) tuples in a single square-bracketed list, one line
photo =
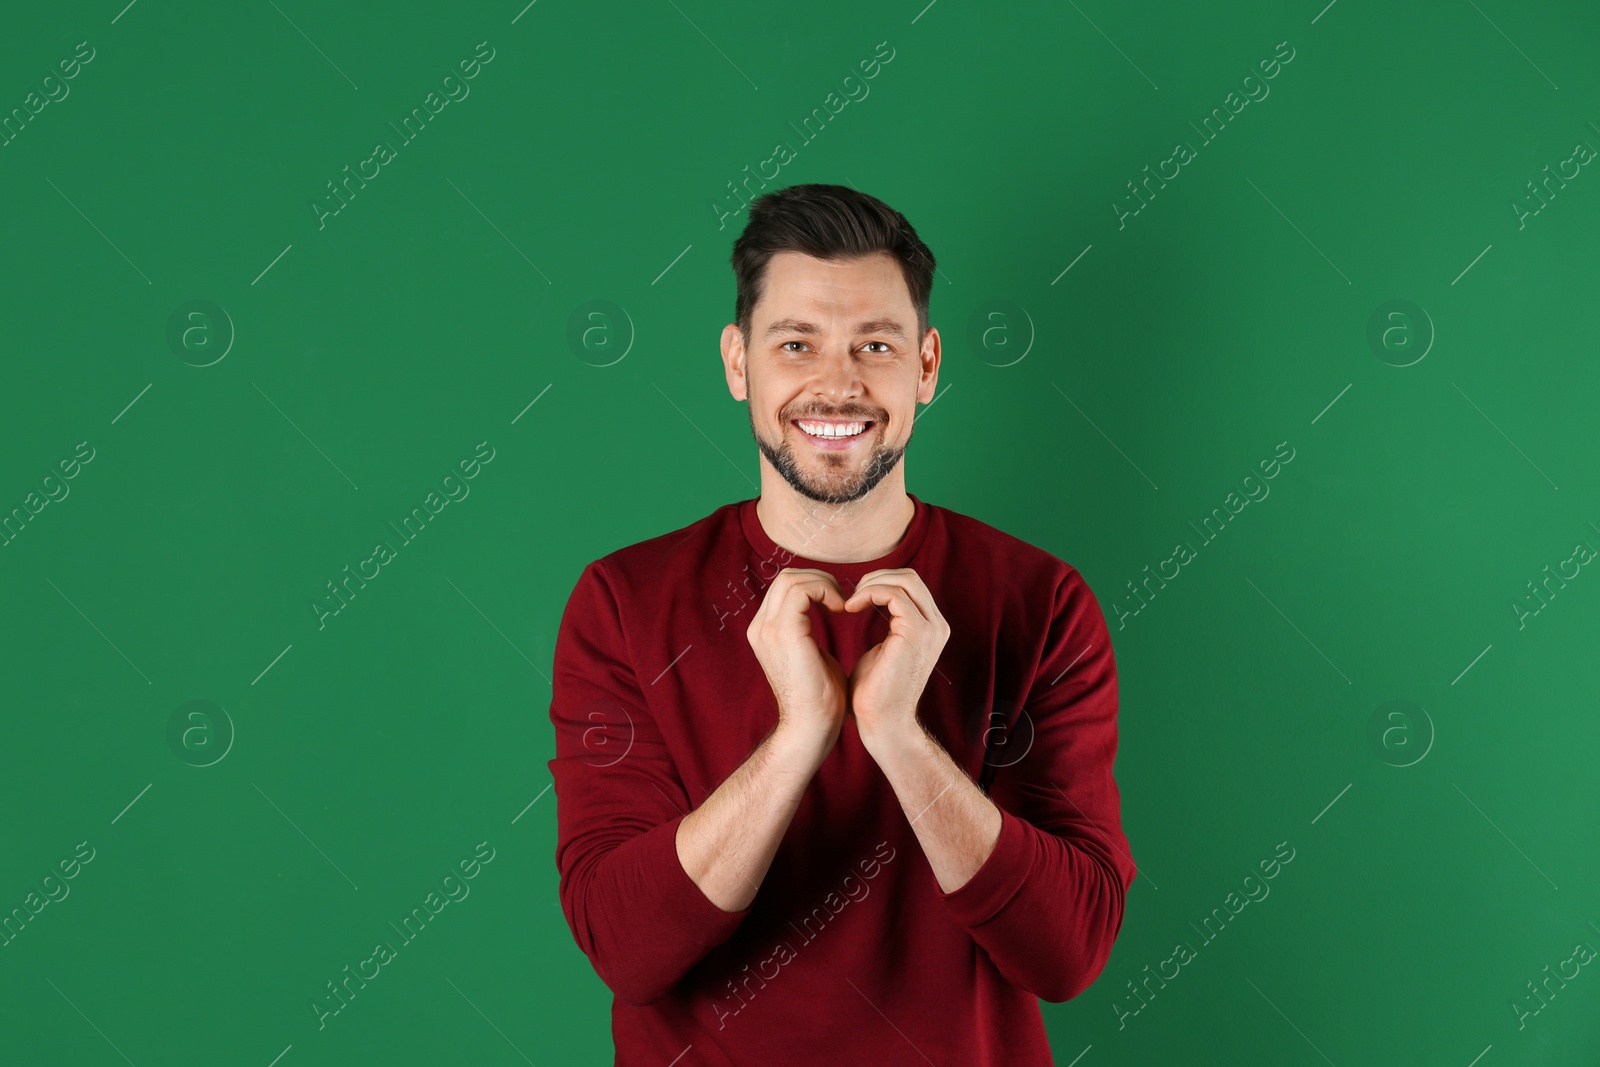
[(834, 765)]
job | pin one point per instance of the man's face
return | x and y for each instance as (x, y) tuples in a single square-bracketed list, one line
[(833, 371)]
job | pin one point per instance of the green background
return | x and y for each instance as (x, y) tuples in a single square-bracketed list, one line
[(1442, 860)]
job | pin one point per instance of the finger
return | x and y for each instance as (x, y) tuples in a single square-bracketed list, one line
[(834, 595), (794, 573), (907, 581), (812, 586), (919, 592), (892, 596)]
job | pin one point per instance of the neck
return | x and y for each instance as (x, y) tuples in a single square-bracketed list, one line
[(863, 529)]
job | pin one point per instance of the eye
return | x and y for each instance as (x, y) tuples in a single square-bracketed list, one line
[(887, 348), (786, 344)]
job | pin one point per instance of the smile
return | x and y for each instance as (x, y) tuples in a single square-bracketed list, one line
[(832, 433)]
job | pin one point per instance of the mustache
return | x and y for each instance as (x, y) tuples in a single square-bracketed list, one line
[(847, 415)]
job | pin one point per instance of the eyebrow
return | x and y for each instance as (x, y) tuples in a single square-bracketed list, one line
[(883, 326)]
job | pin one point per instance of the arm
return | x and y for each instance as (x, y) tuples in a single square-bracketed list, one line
[(625, 847), (1038, 870), (632, 908), (727, 843)]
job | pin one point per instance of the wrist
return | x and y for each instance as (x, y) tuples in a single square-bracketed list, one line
[(893, 740), (797, 750)]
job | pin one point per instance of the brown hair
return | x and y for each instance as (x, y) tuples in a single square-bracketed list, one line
[(828, 222)]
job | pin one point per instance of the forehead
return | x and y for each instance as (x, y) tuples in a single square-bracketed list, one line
[(795, 281)]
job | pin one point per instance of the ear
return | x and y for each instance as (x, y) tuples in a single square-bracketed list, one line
[(733, 361), (928, 382)]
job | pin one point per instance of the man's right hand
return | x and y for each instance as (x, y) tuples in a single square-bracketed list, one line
[(810, 686)]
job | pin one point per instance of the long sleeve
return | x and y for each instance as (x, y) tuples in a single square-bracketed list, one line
[(1048, 902), (632, 908)]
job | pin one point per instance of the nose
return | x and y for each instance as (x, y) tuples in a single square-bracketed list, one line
[(838, 379)]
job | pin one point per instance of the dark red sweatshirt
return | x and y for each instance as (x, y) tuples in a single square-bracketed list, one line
[(850, 952)]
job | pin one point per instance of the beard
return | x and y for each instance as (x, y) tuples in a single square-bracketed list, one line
[(836, 483)]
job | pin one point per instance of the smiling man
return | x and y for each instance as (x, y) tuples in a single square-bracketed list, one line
[(833, 765)]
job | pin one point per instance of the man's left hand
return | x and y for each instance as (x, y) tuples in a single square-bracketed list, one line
[(889, 678)]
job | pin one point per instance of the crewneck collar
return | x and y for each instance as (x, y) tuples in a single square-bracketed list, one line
[(775, 557)]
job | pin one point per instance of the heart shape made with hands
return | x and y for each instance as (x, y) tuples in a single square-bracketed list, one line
[(887, 681)]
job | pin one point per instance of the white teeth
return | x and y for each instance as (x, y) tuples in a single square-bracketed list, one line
[(826, 429)]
